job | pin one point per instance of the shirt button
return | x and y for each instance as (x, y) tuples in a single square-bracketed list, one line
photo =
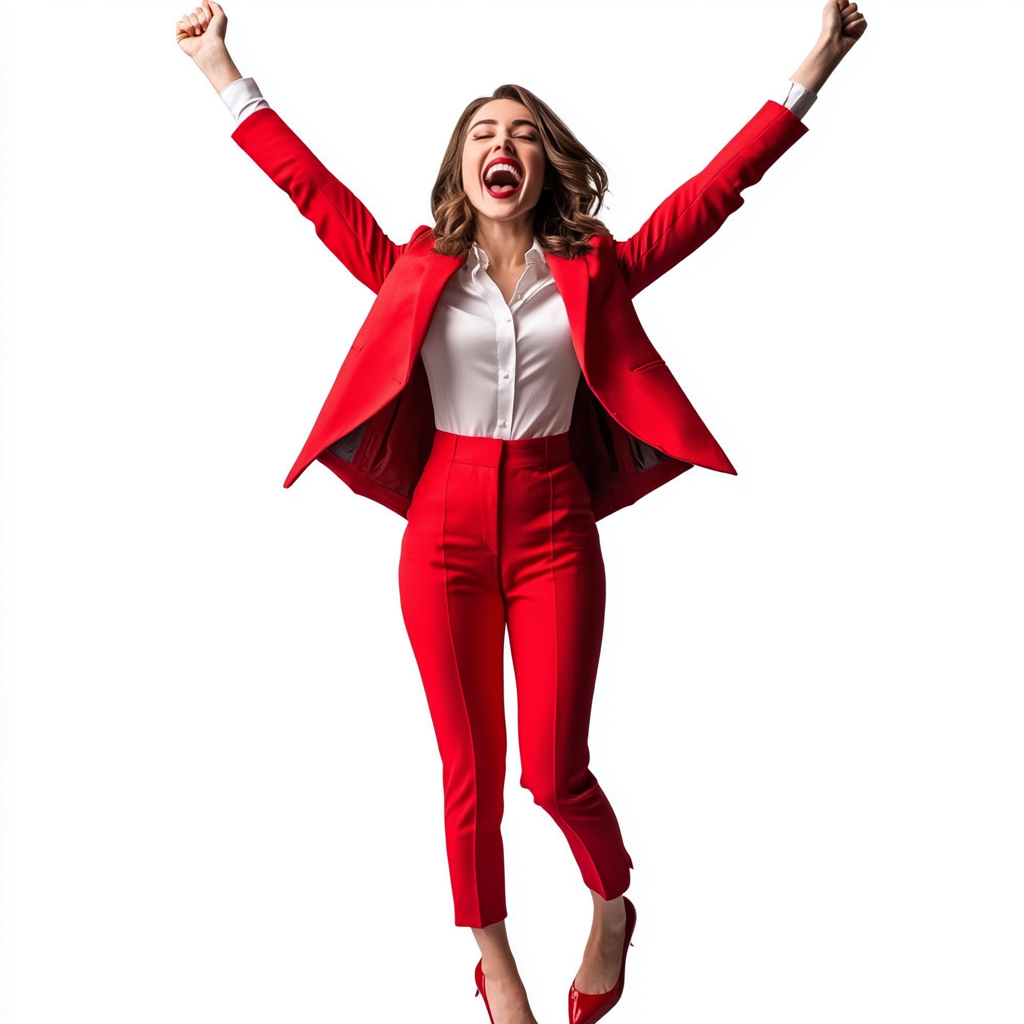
[(506, 376), (502, 423)]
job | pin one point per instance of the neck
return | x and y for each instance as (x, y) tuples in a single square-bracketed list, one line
[(505, 241)]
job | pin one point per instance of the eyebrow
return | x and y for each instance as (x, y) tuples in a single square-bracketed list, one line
[(515, 124)]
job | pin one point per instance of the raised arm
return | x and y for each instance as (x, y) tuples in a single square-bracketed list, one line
[(699, 207), (341, 221), (842, 24)]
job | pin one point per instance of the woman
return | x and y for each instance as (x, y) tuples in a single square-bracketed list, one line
[(503, 396)]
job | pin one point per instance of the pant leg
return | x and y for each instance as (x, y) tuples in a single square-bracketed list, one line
[(554, 584), (453, 611)]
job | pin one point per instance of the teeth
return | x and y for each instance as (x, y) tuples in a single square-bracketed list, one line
[(504, 167)]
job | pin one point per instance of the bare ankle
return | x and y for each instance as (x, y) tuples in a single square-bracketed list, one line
[(609, 915), (502, 971)]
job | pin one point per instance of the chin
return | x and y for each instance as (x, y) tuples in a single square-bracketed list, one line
[(501, 211)]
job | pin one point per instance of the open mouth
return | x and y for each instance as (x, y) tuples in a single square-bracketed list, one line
[(503, 177)]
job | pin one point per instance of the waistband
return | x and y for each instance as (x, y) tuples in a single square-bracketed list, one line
[(549, 452)]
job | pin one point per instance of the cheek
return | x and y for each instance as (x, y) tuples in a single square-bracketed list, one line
[(468, 177)]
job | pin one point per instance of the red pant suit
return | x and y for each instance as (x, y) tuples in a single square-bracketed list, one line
[(503, 531)]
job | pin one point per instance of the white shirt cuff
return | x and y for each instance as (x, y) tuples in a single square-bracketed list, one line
[(799, 100), (242, 97)]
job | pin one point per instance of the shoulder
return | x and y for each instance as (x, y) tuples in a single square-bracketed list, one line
[(421, 242)]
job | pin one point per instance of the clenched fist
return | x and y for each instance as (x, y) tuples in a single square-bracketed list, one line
[(202, 30), (842, 25)]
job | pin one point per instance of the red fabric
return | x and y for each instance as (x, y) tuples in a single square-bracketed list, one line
[(633, 428), (504, 531)]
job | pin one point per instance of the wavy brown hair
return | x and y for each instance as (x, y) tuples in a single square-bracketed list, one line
[(574, 185)]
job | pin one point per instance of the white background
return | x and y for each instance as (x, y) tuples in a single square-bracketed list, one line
[(221, 792)]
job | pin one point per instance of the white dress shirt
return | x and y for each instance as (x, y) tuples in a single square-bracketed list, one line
[(496, 368), (500, 369)]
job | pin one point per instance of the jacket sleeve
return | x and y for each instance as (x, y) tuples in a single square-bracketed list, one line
[(698, 208), (344, 225)]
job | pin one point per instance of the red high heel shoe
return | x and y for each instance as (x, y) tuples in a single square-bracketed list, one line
[(585, 1008), (480, 989)]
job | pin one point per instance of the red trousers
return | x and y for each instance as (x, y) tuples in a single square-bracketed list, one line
[(502, 532)]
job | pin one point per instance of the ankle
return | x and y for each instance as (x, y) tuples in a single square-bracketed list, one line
[(615, 905), (610, 914), (501, 969)]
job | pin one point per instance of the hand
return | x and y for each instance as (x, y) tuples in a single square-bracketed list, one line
[(841, 26), (202, 32)]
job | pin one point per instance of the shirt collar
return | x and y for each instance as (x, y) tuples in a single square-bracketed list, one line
[(535, 254), (478, 258)]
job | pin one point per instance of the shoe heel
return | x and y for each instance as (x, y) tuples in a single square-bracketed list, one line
[(479, 978), (585, 1008)]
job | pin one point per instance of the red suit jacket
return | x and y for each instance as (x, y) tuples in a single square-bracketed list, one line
[(632, 427)]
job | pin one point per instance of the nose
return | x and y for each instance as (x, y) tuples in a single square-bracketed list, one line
[(504, 144)]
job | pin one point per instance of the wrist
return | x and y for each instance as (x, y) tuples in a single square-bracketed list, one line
[(818, 64), (827, 52), (218, 66), (211, 51)]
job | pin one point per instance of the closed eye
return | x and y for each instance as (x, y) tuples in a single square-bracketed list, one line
[(525, 138)]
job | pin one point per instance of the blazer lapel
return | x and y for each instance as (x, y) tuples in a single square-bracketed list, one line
[(572, 280), (423, 292)]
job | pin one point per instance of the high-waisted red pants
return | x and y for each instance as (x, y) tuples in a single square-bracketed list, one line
[(503, 532)]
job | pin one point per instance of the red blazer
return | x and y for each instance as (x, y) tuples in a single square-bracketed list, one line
[(632, 427)]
